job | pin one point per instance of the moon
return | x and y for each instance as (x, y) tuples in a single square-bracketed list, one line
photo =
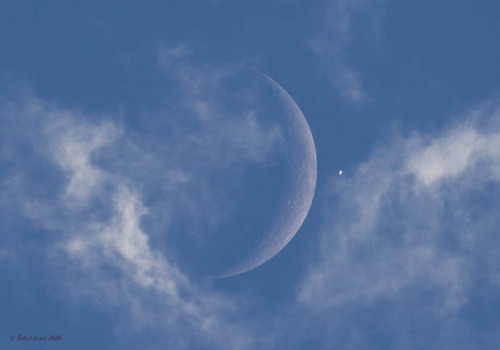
[(302, 164)]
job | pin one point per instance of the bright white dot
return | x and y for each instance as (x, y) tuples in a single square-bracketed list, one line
[(340, 172)]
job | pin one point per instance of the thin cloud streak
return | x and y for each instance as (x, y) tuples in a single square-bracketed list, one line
[(332, 43)]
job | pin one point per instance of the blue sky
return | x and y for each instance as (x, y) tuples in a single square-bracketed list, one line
[(143, 150)]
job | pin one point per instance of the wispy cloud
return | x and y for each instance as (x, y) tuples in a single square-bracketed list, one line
[(169, 55), (90, 182), (228, 134), (72, 144), (340, 24), (183, 311), (414, 228)]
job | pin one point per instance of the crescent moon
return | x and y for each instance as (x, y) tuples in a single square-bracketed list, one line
[(301, 159)]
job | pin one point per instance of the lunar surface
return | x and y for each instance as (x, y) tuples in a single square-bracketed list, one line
[(302, 168)]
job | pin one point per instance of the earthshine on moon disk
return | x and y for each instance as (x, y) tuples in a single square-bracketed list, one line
[(301, 159)]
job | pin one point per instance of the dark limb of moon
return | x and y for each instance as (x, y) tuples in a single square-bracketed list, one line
[(301, 159)]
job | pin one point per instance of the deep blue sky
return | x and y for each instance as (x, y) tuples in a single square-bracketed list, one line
[(140, 145)]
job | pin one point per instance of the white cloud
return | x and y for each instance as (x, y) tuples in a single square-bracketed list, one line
[(72, 146), (452, 155), (120, 243), (351, 86), (414, 218), (168, 55), (333, 42), (84, 182)]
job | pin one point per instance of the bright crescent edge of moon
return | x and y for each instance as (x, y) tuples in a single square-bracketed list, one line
[(303, 165)]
